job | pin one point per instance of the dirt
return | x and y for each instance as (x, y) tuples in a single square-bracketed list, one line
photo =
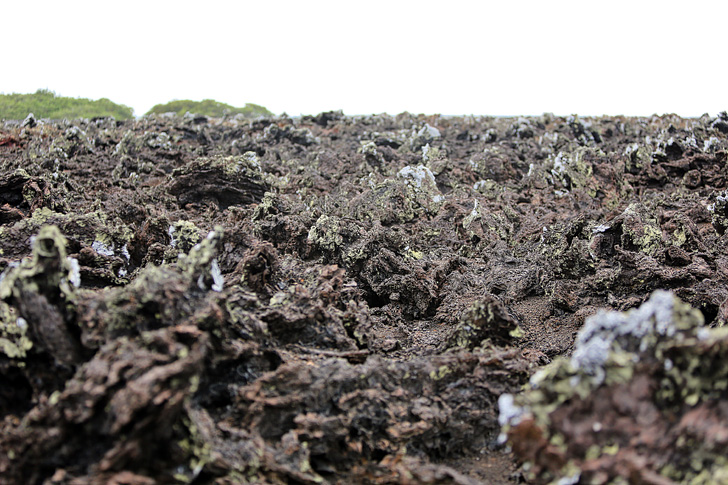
[(333, 299)]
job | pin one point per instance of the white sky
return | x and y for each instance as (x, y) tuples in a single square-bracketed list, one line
[(304, 57)]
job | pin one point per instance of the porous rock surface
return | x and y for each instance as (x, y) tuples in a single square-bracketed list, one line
[(334, 299)]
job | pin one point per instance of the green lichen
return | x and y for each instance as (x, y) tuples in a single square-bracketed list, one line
[(574, 171), (248, 164), (719, 211), (473, 216), (641, 229), (184, 235), (638, 157), (86, 229), (390, 202), (132, 144), (482, 224), (267, 206), (440, 373), (14, 341), (201, 265), (40, 216), (489, 188), (679, 237), (411, 194), (325, 233), (431, 154), (485, 321), (413, 254), (48, 271), (197, 449), (607, 353)]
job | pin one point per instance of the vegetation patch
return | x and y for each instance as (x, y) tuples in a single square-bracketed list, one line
[(47, 104), (208, 107)]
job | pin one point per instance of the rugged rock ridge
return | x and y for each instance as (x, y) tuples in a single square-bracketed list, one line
[(339, 299)]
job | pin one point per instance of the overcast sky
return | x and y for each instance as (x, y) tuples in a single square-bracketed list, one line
[(304, 57)]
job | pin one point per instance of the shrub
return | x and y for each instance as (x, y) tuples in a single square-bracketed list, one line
[(208, 107), (46, 104)]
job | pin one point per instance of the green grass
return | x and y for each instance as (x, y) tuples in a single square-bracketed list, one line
[(46, 104), (209, 107)]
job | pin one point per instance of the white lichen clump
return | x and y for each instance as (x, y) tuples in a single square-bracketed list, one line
[(74, 274), (102, 248), (606, 330), (421, 179), (170, 231), (217, 278), (429, 131), (420, 175)]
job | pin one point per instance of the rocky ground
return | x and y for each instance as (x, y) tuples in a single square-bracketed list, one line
[(375, 299)]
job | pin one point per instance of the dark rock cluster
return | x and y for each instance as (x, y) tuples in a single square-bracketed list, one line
[(346, 299)]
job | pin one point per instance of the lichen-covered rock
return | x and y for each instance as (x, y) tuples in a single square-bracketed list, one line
[(626, 403), (220, 182), (486, 321), (135, 387), (423, 135), (369, 287), (431, 403), (42, 290), (574, 171)]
